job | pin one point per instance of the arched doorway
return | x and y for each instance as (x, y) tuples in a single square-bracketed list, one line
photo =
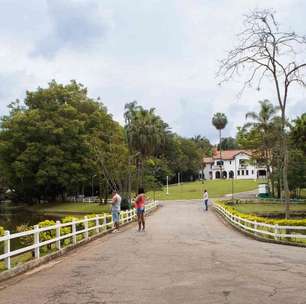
[(218, 175), (224, 174), (231, 174)]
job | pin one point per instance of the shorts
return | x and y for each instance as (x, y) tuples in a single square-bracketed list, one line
[(116, 216), (140, 210)]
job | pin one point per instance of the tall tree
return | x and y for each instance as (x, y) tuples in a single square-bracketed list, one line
[(146, 133), (263, 134), (46, 148), (266, 51), (264, 123), (219, 121)]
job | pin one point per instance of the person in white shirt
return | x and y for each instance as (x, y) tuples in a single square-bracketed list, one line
[(116, 206), (205, 198)]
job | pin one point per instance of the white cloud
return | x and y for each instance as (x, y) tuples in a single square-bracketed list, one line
[(162, 53)]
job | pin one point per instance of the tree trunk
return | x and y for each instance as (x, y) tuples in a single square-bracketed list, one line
[(285, 165), (220, 154)]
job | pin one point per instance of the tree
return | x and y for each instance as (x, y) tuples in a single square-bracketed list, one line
[(261, 135), (146, 134), (263, 123), (228, 143), (297, 155), (46, 146), (265, 51), (298, 133), (219, 121)]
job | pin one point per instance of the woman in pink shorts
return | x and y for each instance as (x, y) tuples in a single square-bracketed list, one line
[(140, 209)]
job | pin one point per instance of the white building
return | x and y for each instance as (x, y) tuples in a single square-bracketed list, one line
[(232, 164)]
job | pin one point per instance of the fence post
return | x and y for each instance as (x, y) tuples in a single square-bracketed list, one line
[(36, 242), (105, 222), (74, 236), (7, 249), (97, 224), (255, 227), (86, 227), (58, 235), (275, 231)]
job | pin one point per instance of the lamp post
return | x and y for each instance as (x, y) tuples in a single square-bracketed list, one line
[(167, 185), (233, 188)]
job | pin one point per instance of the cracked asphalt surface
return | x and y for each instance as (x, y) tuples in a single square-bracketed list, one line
[(185, 256)]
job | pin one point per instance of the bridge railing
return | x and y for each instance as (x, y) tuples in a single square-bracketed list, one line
[(279, 233), (98, 224)]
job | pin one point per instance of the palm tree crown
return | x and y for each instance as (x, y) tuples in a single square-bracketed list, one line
[(219, 120)]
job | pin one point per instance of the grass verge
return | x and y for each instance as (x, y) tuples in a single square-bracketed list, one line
[(194, 190)]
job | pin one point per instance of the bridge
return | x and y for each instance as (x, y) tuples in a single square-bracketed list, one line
[(185, 256)]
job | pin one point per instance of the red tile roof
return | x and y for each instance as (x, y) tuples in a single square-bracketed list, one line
[(226, 155)]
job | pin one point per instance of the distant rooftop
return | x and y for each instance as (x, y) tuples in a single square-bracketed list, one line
[(226, 155)]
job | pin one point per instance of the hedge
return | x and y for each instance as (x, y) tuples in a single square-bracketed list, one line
[(254, 218)]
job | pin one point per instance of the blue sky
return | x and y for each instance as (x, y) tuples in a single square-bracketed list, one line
[(162, 53)]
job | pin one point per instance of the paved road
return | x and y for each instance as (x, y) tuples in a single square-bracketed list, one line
[(186, 256)]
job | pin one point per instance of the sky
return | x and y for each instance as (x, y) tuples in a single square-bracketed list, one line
[(161, 53)]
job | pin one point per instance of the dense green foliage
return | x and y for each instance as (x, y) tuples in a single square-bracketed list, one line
[(59, 143), (48, 147), (159, 152), (263, 136)]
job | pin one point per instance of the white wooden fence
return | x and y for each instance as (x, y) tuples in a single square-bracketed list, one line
[(295, 234), (99, 224)]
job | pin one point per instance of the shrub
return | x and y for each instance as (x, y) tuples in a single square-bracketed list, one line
[(26, 240), (1, 231), (280, 222), (46, 235)]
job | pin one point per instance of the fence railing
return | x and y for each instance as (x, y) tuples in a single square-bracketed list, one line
[(84, 227), (294, 234)]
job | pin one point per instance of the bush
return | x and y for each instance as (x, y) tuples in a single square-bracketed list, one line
[(280, 222), (26, 240), (1, 231), (46, 235)]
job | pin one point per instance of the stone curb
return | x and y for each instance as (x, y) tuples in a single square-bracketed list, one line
[(18, 270), (257, 237)]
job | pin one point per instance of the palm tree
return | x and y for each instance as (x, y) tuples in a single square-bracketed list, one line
[(219, 120), (146, 133), (266, 125)]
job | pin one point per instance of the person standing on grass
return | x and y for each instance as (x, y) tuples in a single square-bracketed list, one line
[(116, 206), (205, 198), (140, 209)]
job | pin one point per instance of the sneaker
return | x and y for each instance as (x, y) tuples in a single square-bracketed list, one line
[(115, 230)]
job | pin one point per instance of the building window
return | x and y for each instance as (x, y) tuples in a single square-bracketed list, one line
[(220, 163), (230, 162), (252, 172), (238, 172), (246, 172), (242, 172)]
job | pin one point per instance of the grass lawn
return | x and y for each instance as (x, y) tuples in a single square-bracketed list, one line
[(264, 208), (194, 190), (72, 208)]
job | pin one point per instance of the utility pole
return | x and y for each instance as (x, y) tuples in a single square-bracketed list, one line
[(178, 178), (167, 187)]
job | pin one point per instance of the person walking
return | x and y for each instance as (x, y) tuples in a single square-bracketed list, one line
[(205, 198), (140, 209), (116, 207)]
